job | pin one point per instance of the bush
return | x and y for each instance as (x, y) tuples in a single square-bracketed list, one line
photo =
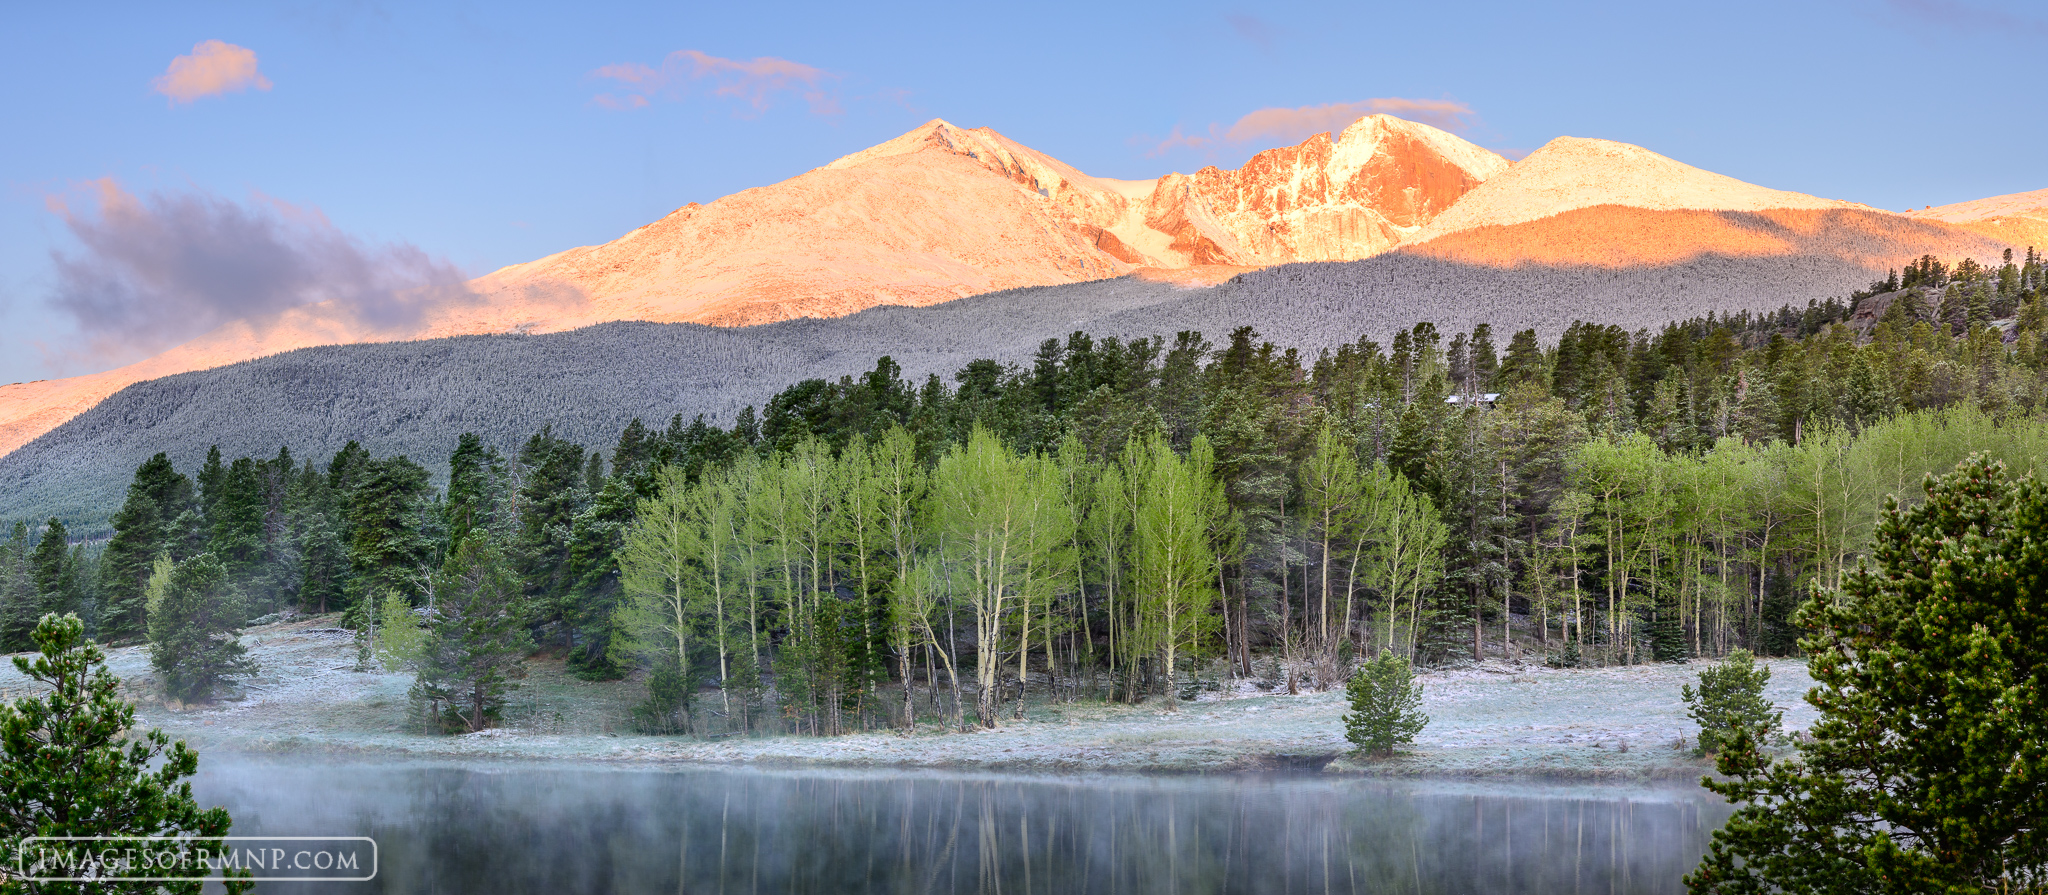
[(1731, 699), (1386, 706), (667, 709), (72, 763), (1927, 770)]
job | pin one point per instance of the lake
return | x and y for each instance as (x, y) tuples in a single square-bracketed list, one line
[(503, 828)]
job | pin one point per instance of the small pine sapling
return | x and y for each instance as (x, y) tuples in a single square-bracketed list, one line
[(1730, 700), (1386, 705)]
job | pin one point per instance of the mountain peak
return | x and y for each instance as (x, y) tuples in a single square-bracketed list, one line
[(2017, 218), (912, 140), (1570, 173)]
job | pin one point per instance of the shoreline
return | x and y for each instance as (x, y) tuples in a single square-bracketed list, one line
[(1493, 722)]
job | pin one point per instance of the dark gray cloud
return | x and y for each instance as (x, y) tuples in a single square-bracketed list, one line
[(157, 270)]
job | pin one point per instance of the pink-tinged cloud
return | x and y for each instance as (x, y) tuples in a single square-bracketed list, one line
[(753, 81), (153, 271), (1294, 125), (215, 67)]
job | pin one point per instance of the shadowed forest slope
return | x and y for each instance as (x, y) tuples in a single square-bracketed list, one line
[(414, 398)]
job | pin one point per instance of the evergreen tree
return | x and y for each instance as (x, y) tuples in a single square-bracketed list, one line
[(212, 476), (72, 764), (236, 506), (475, 478), (1928, 768), (1977, 308), (595, 538), (19, 602), (1524, 362), (1954, 312), (51, 568), (552, 491), (1386, 706), (1485, 363), (317, 533), (192, 631), (1731, 700), (143, 529), (389, 547), (475, 640)]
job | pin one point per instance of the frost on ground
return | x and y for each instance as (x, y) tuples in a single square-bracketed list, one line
[(1495, 719)]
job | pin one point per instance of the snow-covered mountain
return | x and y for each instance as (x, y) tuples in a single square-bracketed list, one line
[(943, 212), (2017, 218)]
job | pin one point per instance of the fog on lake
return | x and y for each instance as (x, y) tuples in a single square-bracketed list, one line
[(503, 828)]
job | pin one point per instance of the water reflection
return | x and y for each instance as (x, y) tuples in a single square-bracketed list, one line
[(528, 828)]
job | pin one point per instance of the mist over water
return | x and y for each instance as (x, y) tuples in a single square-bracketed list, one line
[(503, 828)]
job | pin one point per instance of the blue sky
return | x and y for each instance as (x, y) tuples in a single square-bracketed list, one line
[(487, 134)]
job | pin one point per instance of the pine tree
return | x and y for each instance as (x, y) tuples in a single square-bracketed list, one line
[(72, 764), (18, 600), (552, 491), (476, 477), (475, 640), (143, 530), (1928, 768), (317, 535), (1485, 363), (212, 475), (1731, 700), (192, 631), (1386, 706), (595, 539), (1953, 314), (235, 530), (1977, 308), (388, 546), (51, 567)]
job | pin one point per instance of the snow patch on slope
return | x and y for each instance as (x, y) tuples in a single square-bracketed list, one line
[(1570, 173), (2028, 204)]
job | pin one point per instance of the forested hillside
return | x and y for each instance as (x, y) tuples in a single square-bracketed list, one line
[(406, 398), (1105, 515)]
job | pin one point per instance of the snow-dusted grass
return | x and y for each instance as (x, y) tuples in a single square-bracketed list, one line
[(1497, 719)]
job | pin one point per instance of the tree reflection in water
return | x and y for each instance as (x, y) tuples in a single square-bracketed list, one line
[(502, 828)]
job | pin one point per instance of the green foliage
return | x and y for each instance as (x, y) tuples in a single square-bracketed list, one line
[(667, 707), (1003, 527), (70, 765), (552, 492), (1928, 768), (1730, 702), (192, 643), (401, 640), (144, 529), (1648, 494), (389, 547), (475, 640), (1182, 520), (1386, 706)]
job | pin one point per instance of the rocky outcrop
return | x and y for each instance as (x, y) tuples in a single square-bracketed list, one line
[(1342, 200)]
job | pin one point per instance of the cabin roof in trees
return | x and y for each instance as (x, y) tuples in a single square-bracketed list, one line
[(1486, 398)]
